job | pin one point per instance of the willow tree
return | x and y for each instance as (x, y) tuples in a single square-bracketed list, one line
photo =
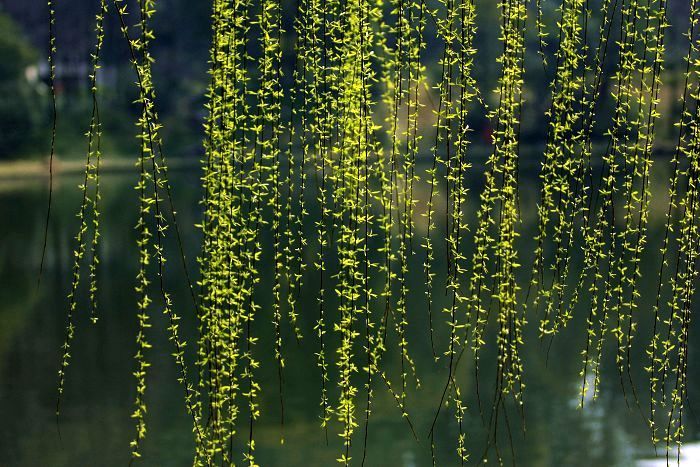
[(457, 91), (668, 349), (613, 251), (324, 160)]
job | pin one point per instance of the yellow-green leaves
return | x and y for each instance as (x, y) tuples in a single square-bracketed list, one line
[(668, 349), (311, 194), (562, 170), (613, 248), (498, 214), (457, 91), (89, 213)]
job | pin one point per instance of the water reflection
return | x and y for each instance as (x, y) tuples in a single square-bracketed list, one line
[(95, 427), (689, 457)]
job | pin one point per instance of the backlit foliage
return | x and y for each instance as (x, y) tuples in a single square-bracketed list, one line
[(311, 186)]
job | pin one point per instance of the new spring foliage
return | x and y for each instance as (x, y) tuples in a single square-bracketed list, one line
[(311, 187)]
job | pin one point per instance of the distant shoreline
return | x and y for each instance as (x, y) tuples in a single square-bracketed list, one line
[(31, 169), (15, 170)]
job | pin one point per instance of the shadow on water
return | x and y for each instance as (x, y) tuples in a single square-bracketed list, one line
[(95, 424)]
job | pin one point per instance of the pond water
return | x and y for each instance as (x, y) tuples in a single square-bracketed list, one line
[(95, 426)]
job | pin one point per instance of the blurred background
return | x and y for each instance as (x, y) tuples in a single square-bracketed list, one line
[(95, 426), (183, 40), (181, 51)]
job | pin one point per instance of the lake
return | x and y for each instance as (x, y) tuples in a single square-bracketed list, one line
[(95, 425)]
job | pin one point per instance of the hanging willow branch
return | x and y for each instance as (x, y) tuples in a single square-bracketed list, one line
[(152, 176), (499, 199), (457, 91), (668, 350), (561, 168), (89, 207), (54, 119), (613, 254), (317, 177)]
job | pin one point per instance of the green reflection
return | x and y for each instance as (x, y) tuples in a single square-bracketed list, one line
[(95, 427)]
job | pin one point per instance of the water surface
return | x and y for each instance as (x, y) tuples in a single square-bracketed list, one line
[(95, 425)]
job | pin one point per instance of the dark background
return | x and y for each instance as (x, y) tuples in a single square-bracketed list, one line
[(181, 51)]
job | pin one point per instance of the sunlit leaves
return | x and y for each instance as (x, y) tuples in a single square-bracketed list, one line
[(310, 186)]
